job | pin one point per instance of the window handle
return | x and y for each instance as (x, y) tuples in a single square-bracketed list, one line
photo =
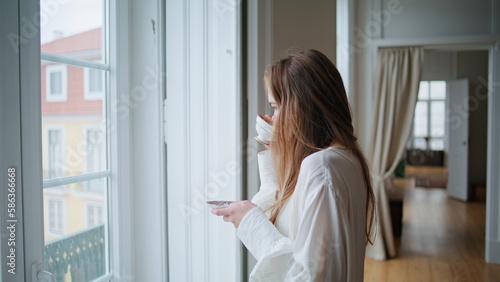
[(39, 275)]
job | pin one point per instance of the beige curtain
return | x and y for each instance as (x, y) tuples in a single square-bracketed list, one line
[(398, 78)]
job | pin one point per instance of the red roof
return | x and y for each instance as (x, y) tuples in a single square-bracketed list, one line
[(88, 40)]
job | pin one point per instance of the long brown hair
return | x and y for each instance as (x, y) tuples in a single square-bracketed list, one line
[(314, 114)]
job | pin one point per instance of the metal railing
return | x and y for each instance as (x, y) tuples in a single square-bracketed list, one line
[(81, 253)]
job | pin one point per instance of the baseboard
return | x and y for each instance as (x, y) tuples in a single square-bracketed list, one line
[(492, 251)]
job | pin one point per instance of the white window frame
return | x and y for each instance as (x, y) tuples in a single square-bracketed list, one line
[(119, 214), (49, 221), (62, 129), (203, 50), (92, 95), (64, 81)]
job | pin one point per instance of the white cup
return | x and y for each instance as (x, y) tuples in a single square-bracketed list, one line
[(264, 131)]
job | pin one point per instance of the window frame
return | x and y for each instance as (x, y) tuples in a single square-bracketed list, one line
[(49, 69)]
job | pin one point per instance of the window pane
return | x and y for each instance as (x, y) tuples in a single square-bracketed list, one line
[(438, 90), (95, 80), (436, 144), (72, 28), (56, 83), (419, 143), (420, 121), (55, 163), (75, 224), (79, 146), (437, 118), (423, 91)]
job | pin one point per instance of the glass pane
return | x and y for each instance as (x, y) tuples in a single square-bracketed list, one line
[(75, 230), (420, 121), (73, 129), (437, 118), (436, 144), (419, 143), (95, 81), (72, 28), (55, 83), (423, 90), (438, 90)]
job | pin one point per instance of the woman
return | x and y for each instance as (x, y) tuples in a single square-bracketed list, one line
[(311, 220)]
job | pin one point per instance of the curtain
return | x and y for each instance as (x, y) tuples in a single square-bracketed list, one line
[(398, 78)]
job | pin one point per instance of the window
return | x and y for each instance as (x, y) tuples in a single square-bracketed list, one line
[(94, 214), (429, 122), (55, 153), (76, 67), (56, 83), (95, 159), (56, 222), (94, 84)]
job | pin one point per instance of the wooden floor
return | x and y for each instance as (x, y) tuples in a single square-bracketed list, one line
[(443, 240)]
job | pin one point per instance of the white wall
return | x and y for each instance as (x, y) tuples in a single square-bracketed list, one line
[(437, 18), (431, 23), (439, 65)]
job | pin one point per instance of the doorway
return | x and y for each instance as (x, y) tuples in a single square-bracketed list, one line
[(453, 101)]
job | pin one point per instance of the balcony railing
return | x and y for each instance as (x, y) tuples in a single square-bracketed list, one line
[(81, 253)]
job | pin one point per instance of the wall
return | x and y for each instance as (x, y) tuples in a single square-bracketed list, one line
[(473, 65), (438, 18), (439, 65), (299, 26)]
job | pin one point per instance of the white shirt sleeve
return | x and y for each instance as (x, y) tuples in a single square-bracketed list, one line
[(266, 195), (317, 253)]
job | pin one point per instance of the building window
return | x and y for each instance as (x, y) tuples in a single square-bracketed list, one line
[(95, 214), (429, 121), (55, 158), (95, 158), (93, 84), (56, 83), (56, 222)]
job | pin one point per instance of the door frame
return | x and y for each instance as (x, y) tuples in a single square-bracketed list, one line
[(490, 43)]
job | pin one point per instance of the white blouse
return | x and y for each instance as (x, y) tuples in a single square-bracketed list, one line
[(320, 232)]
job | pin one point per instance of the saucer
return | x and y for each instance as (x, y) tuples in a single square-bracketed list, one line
[(219, 204)]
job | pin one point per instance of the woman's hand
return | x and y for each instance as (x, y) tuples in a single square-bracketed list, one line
[(235, 212)]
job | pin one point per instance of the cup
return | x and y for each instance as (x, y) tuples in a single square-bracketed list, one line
[(264, 131)]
